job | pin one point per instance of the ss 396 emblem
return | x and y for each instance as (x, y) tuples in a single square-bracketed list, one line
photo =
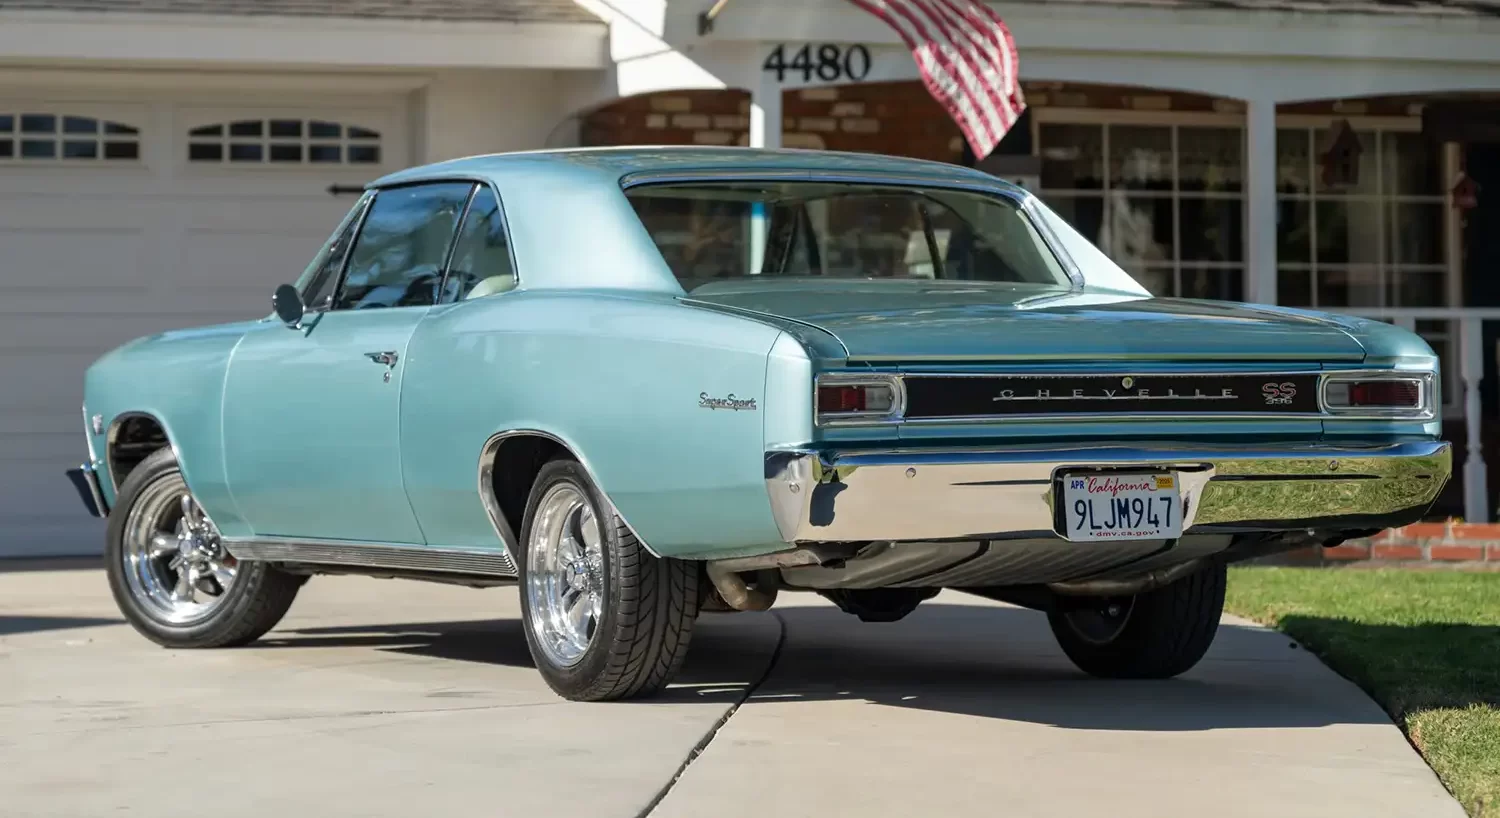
[(1278, 394)]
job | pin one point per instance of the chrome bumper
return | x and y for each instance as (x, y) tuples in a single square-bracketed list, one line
[(967, 494), (86, 481)]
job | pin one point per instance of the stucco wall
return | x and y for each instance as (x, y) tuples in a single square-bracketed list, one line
[(462, 113)]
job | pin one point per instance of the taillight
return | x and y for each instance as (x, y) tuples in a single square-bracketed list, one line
[(1384, 396), (863, 400)]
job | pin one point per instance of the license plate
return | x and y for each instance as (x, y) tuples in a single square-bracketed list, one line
[(1111, 506)]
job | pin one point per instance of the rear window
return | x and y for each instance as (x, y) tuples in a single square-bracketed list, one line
[(712, 231)]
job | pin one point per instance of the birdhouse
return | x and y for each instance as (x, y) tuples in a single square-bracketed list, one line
[(1465, 193), (1341, 161)]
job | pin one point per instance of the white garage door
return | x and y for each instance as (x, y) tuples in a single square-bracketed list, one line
[(119, 220)]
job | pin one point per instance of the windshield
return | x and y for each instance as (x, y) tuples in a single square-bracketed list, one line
[(712, 231)]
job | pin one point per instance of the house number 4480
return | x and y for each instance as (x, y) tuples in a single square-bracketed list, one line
[(820, 61)]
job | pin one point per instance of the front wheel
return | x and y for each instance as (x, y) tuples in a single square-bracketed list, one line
[(170, 574), (1152, 635), (604, 619)]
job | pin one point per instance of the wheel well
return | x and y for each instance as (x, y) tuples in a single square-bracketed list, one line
[(132, 439), (518, 459)]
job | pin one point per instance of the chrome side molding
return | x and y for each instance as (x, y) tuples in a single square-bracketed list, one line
[(86, 480), (373, 555)]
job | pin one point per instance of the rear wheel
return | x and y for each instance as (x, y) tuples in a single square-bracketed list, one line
[(604, 619), (1152, 635), (170, 574)]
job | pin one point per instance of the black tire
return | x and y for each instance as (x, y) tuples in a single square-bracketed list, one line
[(254, 602), (647, 612), (1164, 632)]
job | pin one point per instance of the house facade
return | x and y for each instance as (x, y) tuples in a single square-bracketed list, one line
[(166, 163)]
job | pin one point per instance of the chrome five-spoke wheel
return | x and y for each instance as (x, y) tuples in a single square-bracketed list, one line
[(171, 574), (565, 574), (175, 563), (604, 617)]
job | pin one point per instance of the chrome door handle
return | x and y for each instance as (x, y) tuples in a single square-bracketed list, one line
[(387, 358)]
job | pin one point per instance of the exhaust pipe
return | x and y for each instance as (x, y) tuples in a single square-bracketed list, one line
[(1129, 586), (736, 593)]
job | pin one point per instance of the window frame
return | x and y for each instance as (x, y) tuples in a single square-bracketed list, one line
[(265, 141), (364, 218), (510, 246), (353, 226), (1022, 200), (133, 117)]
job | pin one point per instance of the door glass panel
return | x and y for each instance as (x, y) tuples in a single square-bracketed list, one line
[(481, 257), (397, 261), (322, 276)]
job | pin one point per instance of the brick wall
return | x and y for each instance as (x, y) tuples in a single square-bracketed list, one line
[(894, 118), (1447, 543)]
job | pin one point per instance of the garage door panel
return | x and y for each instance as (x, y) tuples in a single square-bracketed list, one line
[(94, 254), (70, 257), (43, 381), (241, 260), (45, 451)]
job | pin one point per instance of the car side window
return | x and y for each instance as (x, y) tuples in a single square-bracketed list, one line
[(397, 259), (481, 262), (324, 270)]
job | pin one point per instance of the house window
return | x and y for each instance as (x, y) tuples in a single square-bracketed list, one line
[(284, 142), (1166, 201), (1360, 218), (1361, 223), (64, 137)]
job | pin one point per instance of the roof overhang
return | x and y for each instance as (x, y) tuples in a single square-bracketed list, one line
[(321, 42)]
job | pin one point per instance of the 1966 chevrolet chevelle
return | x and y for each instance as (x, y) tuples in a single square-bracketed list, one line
[(643, 384)]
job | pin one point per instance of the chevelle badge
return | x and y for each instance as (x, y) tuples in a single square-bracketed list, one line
[(727, 402)]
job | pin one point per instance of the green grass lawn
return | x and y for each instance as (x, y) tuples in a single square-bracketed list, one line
[(1425, 644)]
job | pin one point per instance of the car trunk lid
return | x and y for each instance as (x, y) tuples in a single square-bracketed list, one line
[(894, 322)]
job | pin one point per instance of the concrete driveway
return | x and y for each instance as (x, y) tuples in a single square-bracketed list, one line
[(407, 699)]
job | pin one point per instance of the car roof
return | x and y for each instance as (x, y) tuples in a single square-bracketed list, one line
[(615, 163)]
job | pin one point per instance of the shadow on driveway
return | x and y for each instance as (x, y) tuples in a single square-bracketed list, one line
[(11, 625), (975, 660)]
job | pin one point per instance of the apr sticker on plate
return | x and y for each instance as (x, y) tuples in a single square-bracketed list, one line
[(1115, 506)]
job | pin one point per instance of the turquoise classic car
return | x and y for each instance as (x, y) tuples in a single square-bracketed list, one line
[(644, 384)]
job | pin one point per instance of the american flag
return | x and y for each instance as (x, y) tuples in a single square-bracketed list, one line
[(967, 60)]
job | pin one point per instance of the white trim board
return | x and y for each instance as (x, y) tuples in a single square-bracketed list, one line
[(311, 41)]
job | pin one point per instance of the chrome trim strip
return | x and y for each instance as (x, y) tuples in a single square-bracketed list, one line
[(1029, 206), (492, 508), (967, 494), (487, 496), (751, 174), (88, 435), (86, 480), (1427, 379), (372, 555)]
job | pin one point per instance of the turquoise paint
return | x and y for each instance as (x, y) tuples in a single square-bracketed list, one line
[(788, 404), (314, 443), (174, 377), (599, 347), (618, 377), (915, 320)]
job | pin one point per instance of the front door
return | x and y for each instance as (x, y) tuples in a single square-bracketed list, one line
[(312, 415)]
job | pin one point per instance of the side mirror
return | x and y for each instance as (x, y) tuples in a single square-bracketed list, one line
[(288, 305)]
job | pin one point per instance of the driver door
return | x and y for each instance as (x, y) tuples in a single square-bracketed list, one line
[(311, 415)]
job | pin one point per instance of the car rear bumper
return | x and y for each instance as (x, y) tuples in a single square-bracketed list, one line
[(86, 481), (923, 495)]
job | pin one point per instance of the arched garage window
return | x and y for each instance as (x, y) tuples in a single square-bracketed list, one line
[(44, 137), (284, 141)]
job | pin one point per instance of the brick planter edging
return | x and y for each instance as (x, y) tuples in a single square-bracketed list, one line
[(1437, 543)]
